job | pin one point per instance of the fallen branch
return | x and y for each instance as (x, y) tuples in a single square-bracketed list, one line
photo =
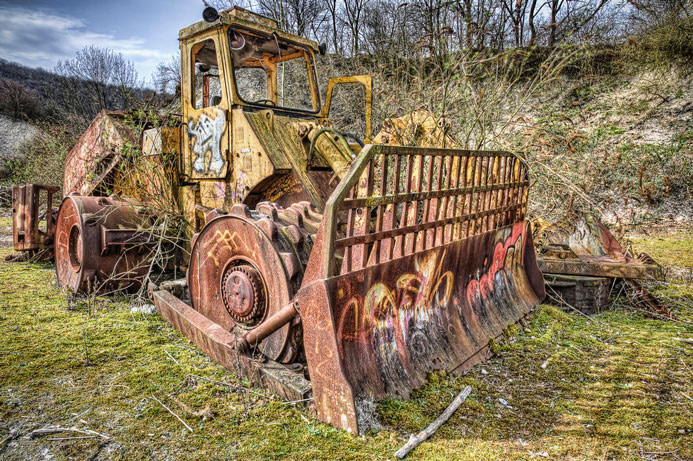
[(205, 413), (415, 440), (172, 358), (57, 429), (169, 410), (14, 433)]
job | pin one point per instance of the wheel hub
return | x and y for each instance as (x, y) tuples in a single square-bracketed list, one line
[(243, 294)]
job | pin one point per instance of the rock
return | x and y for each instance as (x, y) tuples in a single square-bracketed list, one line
[(13, 133), (147, 309)]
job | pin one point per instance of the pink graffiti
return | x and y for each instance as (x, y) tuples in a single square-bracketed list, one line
[(485, 285)]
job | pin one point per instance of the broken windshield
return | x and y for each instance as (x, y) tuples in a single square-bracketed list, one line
[(271, 72)]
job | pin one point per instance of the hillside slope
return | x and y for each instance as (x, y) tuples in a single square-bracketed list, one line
[(622, 145), (13, 133)]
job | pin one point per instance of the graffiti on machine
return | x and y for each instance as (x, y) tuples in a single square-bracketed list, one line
[(207, 133)]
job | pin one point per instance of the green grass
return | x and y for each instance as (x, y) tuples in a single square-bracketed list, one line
[(618, 386), (674, 250)]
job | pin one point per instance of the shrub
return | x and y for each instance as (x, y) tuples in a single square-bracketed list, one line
[(43, 158)]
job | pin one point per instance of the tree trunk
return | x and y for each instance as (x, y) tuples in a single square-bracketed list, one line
[(552, 26)]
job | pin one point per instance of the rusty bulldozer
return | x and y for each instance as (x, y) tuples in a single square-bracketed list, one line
[(317, 265)]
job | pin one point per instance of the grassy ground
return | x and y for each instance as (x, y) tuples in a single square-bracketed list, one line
[(616, 386), (673, 251)]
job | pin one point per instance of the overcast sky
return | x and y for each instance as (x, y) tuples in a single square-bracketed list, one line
[(38, 33)]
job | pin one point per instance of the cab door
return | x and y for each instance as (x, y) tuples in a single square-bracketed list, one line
[(205, 111)]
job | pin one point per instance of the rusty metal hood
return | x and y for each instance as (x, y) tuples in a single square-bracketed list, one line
[(96, 153)]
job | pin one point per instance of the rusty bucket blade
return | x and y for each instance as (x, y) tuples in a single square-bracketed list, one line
[(414, 272), (592, 250)]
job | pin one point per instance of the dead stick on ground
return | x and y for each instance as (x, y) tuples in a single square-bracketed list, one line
[(415, 440), (56, 429), (171, 357), (169, 410)]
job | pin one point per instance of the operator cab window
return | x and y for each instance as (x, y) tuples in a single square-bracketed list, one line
[(272, 72), (207, 85), (252, 83)]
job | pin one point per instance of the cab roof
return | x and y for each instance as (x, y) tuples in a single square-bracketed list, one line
[(238, 16)]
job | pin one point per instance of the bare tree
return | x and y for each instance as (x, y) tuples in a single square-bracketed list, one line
[(333, 7), (353, 17), (18, 101), (107, 77), (530, 21), (167, 76)]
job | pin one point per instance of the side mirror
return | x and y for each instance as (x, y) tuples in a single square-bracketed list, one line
[(322, 48), (367, 82)]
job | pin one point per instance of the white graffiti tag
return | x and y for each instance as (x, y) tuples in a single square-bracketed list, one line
[(207, 133)]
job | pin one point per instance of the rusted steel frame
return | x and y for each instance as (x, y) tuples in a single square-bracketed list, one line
[(330, 210), (395, 190), (373, 237), (457, 206), (483, 192), (374, 257), (582, 266), (425, 235), (26, 204), (498, 196), (471, 224), (506, 193), (444, 182), (215, 341), (462, 206), (641, 297), (280, 318), (219, 344), (387, 213), (122, 237), (205, 91), (488, 194), (495, 195), (443, 210), (410, 240), (523, 191), (399, 242), (348, 253), (360, 255), (490, 217), (367, 82), (417, 157), (434, 151)]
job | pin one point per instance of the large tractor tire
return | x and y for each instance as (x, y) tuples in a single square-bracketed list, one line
[(248, 264), (100, 246)]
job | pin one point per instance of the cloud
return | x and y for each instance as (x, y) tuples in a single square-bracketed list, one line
[(41, 38)]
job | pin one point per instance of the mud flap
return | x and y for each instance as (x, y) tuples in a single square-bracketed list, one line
[(423, 257)]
